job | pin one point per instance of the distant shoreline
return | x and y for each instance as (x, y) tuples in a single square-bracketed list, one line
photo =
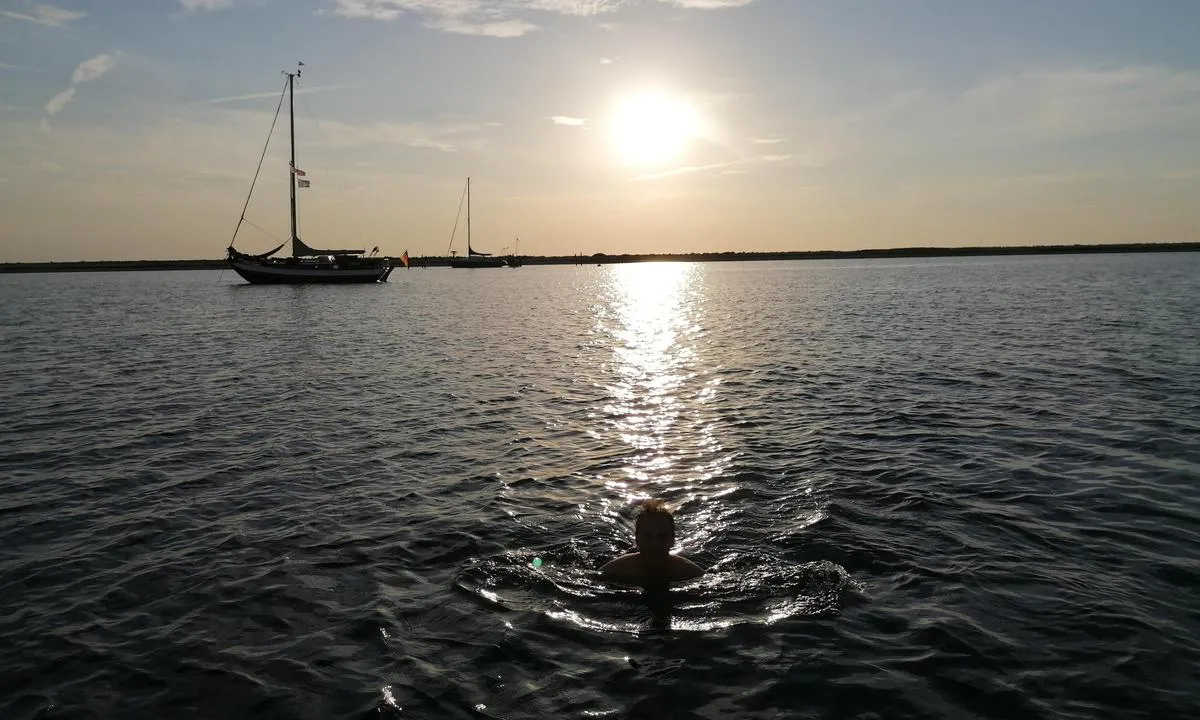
[(601, 258)]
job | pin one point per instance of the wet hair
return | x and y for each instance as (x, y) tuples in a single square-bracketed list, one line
[(657, 508)]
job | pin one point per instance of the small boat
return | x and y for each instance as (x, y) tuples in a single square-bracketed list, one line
[(474, 258), (514, 260), (306, 264)]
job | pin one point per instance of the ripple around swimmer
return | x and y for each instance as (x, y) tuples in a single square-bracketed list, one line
[(745, 589)]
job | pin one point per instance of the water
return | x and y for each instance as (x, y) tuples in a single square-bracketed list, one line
[(939, 488)]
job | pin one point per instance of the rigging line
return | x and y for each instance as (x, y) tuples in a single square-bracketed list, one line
[(260, 164), (456, 219), (261, 230)]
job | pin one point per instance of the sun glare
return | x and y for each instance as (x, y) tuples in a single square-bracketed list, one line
[(653, 129)]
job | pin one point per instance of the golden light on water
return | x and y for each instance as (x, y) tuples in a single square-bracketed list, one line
[(653, 128), (663, 387), (651, 324)]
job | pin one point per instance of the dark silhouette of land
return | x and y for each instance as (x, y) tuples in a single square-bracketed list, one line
[(601, 258)]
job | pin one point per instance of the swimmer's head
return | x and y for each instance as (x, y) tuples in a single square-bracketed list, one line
[(654, 528)]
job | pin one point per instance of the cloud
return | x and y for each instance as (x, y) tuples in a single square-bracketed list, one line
[(1085, 101), (42, 14), (87, 71), (766, 140), (737, 166), (687, 170), (567, 120), (59, 101), (709, 4), (259, 96), (6, 66), (1069, 107), (430, 143), (496, 18), (194, 5), (499, 28)]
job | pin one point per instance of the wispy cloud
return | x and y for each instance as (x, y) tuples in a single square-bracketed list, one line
[(43, 14), (87, 71), (259, 96), (766, 140), (6, 66), (430, 143), (688, 170), (1082, 101), (738, 166), (194, 5), (59, 101), (709, 4), (1028, 109), (497, 18), (567, 120), (506, 28)]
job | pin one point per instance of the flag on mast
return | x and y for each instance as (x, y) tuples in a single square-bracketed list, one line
[(404, 258), (302, 183), (299, 172)]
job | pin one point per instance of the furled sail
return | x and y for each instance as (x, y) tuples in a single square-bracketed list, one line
[(299, 249), (260, 256)]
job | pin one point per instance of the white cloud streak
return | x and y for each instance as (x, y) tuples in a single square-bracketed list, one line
[(59, 101), (567, 120), (709, 4), (85, 72), (201, 5), (89, 70), (497, 18), (259, 96), (42, 14)]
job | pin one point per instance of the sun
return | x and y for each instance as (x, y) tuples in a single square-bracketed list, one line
[(653, 128)]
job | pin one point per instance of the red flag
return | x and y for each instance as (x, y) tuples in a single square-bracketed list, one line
[(299, 172), (404, 258)]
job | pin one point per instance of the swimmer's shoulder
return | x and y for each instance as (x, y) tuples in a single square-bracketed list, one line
[(684, 569), (626, 567)]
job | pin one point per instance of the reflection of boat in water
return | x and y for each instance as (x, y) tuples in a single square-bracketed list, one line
[(474, 258), (306, 265)]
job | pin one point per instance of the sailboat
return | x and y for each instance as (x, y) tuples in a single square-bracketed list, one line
[(306, 264), (474, 258), (514, 260)]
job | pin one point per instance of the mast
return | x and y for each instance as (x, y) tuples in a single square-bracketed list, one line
[(292, 134), (469, 251)]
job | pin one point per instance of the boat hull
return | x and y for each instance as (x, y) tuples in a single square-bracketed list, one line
[(275, 272)]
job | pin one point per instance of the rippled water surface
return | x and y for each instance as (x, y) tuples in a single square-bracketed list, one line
[(936, 488)]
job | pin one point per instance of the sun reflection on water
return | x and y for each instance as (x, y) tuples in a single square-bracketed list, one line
[(661, 386)]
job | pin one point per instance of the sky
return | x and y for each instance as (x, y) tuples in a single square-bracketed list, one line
[(132, 129)]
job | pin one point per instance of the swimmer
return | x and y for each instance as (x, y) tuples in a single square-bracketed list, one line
[(653, 563)]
